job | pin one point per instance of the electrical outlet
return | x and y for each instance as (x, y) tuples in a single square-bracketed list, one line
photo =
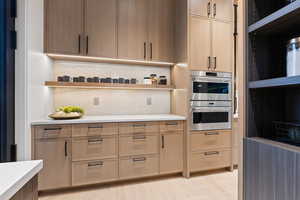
[(96, 101), (149, 101)]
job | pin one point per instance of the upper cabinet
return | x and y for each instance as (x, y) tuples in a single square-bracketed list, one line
[(200, 8), (133, 29), (64, 26), (125, 29), (100, 28), (146, 30)]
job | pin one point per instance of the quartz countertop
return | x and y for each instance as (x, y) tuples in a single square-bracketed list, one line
[(14, 175), (112, 118)]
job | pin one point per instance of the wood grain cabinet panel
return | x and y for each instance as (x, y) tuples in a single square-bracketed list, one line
[(171, 126), (101, 28), (138, 144), (208, 160), (97, 129), (64, 26), (138, 166), (161, 30), (222, 38), (203, 140), (53, 131), (92, 148), (56, 154), (133, 29), (200, 44), (97, 171), (171, 153), (139, 127)]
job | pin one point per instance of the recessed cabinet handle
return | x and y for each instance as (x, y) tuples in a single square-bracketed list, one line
[(95, 127), (208, 9), (212, 133), (151, 54), (143, 159), (139, 137), (95, 141), (215, 10), (172, 123), (144, 50), (215, 62), (211, 153), (87, 45), (139, 125), (52, 129), (66, 149), (79, 44), (95, 164), (209, 62), (162, 141)]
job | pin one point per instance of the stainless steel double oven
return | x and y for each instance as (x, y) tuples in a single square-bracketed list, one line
[(211, 100)]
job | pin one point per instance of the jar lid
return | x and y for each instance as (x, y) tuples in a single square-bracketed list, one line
[(162, 76), (146, 77), (294, 41), (153, 75)]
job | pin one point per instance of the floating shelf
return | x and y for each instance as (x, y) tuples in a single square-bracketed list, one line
[(288, 16), (108, 60), (56, 84), (276, 82)]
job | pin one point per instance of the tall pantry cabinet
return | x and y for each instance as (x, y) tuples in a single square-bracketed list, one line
[(211, 35)]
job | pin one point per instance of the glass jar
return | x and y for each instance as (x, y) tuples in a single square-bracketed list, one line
[(147, 81), (154, 79), (162, 80), (293, 57)]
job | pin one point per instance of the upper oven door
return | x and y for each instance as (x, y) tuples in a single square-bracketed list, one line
[(211, 89), (211, 118)]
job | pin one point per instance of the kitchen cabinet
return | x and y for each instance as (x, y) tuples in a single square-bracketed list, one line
[(133, 29), (200, 44), (100, 28), (210, 45), (222, 48), (64, 26), (171, 152), (200, 8), (161, 29), (56, 154)]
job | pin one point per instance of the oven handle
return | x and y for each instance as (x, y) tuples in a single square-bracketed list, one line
[(212, 109), (207, 80)]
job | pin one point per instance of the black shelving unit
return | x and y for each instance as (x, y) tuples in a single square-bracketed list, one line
[(271, 163)]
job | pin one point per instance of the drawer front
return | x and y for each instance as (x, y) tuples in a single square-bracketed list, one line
[(53, 131), (172, 126), (94, 147), (210, 140), (139, 127), (133, 167), (97, 129), (138, 144), (210, 160), (89, 172)]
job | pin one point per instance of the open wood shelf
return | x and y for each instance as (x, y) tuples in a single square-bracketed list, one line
[(85, 85), (275, 82), (281, 20)]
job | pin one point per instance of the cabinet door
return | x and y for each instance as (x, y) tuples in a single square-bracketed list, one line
[(161, 34), (200, 43), (222, 10), (171, 154), (56, 155), (222, 38), (201, 7), (100, 25), (64, 26), (132, 29)]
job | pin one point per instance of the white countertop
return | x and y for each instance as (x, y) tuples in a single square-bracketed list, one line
[(112, 118), (14, 175)]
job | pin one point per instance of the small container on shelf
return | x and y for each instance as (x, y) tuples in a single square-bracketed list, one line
[(89, 80), (133, 81), (108, 80), (121, 80), (66, 78), (293, 57), (126, 81), (96, 79), (147, 81), (154, 79), (115, 80), (81, 79), (162, 80), (60, 79), (75, 79)]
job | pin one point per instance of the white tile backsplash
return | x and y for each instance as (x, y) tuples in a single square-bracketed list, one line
[(112, 101)]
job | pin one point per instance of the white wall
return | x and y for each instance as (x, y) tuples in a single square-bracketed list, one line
[(112, 101), (33, 100)]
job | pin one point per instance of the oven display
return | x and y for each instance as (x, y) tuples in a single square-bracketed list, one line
[(210, 117), (211, 88)]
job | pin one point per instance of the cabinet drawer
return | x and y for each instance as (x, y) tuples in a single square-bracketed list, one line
[(94, 129), (94, 147), (53, 131), (138, 144), (171, 126), (133, 167), (89, 172), (210, 140), (139, 127), (210, 160)]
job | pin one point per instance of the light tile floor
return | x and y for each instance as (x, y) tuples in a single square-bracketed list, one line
[(218, 186)]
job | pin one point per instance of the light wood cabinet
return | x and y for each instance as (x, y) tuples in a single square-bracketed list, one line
[(161, 30), (222, 38), (200, 44), (200, 8), (28, 192), (222, 10), (101, 28), (171, 153), (56, 154), (64, 26), (133, 29)]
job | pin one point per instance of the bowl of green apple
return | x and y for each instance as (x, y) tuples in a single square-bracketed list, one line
[(67, 112)]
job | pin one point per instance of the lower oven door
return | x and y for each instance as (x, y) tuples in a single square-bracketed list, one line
[(211, 118)]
